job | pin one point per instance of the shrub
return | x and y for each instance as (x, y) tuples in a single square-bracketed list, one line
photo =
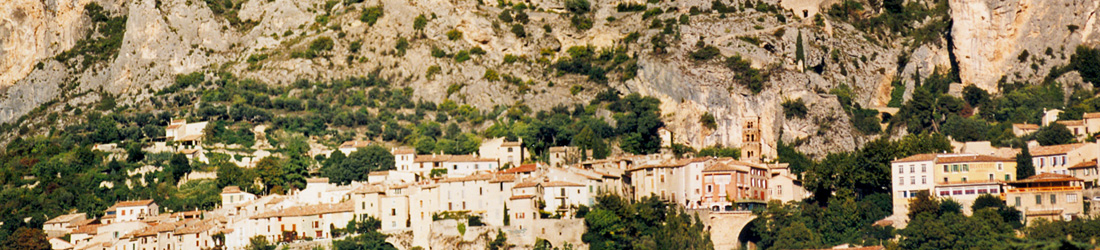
[(1072, 28), (744, 74), (521, 17), (509, 58), (432, 71), (491, 75), (577, 7), (518, 30), (476, 50), (454, 34), (575, 89), (581, 22), (371, 15), (630, 7), (462, 56), (505, 16), (706, 53), (401, 46), (795, 108), (420, 22), (708, 121), (438, 53), (1023, 56), (651, 13)]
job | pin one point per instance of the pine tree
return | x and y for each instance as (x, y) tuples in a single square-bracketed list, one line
[(1024, 167)]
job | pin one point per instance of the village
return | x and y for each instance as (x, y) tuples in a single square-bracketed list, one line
[(426, 196), (434, 199)]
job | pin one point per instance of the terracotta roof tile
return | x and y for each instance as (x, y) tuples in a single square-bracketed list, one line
[(503, 178), (473, 177), (971, 158), (1084, 164), (561, 184), (354, 144), (918, 157), (231, 190), (520, 197), (133, 203), (525, 168), (1025, 126), (404, 151), (1072, 123), (308, 210), (1054, 149), (1046, 177), (1091, 115), (67, 218)]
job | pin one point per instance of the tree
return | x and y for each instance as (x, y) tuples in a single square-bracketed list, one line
[(27, 239), (500, 242), (179, 166), (258, 242), (923, 204), (134, 153), (987, 201), (369, 236), (359, 164), (975, 96), (271, 174), (1054, 134), (966, 129), (1024, 166)]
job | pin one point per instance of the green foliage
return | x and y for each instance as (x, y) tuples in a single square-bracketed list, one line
[(369, 236), (745, 74), (585, 60), (1087, 61), (966, 129), (491, 75), (101, 43), (867, 169), (420, 22), (708, 121), (638, 119), (505, 16), (630, 7), (720, 151), (462, 56), (1024, 166), (401, 45), (1054, 134), (652, 12), (454, 34), (795, 108), (500, 242), (371, 15), (615, 223), (518, 30), (27, 239), (357, 165), (578, 7), (705, 53), (1023, 56)]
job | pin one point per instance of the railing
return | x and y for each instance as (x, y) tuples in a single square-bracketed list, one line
[(1043, 189)]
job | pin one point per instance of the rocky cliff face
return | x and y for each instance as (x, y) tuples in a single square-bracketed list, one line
[(164, 38), (990, 35)]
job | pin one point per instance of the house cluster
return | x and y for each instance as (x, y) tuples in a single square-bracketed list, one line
[(526, 199), (495, 186), (1065, 178)]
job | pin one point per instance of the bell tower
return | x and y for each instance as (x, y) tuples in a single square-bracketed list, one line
[(750, 141)]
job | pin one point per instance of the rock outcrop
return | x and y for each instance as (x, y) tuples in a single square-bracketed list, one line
[(990, 35)]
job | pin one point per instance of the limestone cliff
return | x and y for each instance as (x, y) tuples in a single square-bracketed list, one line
[(990, 36)]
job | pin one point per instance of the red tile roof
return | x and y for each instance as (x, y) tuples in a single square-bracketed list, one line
[(561, 184), (1046, 177), (1084, 164), (309, 210), (1025, 126), (919, 157), (1055, 149), (1091, 115), (525, 168), (971, 158), (133, 203)]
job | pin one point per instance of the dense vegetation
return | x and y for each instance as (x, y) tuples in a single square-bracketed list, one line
[(101, 43), (649, 223)]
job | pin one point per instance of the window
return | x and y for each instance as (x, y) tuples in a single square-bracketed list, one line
[(1038, 199), (945, 168), (964, 179), (1063, 160), (1000, 166), (902, 182), (966, 167), (905, 194), (1071, 198), (923, 168), (1017, 201), (911, 170), (710, 189), (901, 169), (955, 168), (509, 150), (1008, 177), (1053, 199), (913, 180), (924, 180), (991, 177), (944, 179)]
